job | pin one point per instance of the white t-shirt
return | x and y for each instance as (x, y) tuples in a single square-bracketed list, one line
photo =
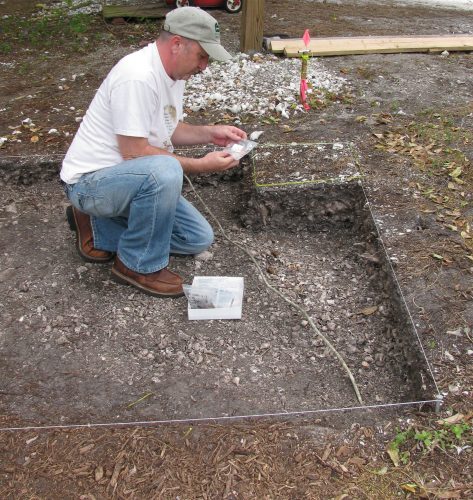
[(137, 99)]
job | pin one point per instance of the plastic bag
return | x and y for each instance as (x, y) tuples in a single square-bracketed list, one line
[(239, 149), (201, 297), (207, 297)]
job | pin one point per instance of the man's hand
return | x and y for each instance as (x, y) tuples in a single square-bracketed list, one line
[(217, 161), (224, 135)]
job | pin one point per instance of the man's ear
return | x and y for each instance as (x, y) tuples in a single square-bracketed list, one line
[(176, 43)]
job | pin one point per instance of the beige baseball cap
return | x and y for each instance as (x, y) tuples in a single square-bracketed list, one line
[(198, 25)]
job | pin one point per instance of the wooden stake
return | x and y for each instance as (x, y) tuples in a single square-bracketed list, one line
[(251, 32)]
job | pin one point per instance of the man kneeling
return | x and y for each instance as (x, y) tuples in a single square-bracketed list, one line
[(120, 173)]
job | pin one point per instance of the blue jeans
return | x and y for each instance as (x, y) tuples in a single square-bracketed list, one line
[(137, 210)]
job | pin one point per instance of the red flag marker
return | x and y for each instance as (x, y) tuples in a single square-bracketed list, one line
[(306, 38)]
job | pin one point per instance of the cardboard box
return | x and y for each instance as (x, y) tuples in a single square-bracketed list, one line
[(215, 297)]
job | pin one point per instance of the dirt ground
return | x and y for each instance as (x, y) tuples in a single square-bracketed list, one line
[(78, 349)]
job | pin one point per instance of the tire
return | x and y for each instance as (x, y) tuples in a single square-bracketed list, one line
[(183, 3), (233, 6)]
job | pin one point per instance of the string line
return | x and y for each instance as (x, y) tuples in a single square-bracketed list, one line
[(259, 416)]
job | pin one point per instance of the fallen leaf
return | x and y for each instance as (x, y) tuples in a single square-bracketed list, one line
[(99, 473), (367, 311), (454, 419), (85, 449), (116, 472), (11, 208), (344, 469), (380, 472), (359, 462), (343, 451), (410, 487), (456, 172), (437, 256), (394, 456), (448, 494), (327, 452)]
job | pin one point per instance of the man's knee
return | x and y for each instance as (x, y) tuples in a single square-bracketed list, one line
[(207, 237), (167, 172)]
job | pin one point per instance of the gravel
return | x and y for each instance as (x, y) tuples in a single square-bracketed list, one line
[(256, 86)]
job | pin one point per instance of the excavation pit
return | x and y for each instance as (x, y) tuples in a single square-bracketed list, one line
[(79, 348)]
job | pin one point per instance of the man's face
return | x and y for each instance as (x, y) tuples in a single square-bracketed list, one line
[(191, 59)]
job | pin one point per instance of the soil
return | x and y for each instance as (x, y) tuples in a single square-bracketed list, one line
[(357, 230)]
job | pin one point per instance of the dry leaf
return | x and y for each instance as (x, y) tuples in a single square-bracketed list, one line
[(456, 173), (359, 462), (99, 473), (394, 456), (85, 449), (410, 487), (367, 311), (381, 472), (327, 452), (343, 451), (454, 419), (448, 494)]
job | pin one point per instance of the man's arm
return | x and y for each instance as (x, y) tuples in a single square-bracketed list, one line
[(136, 147), (186, 134)]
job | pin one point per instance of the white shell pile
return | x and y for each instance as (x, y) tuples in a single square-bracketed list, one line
[(263, 85)]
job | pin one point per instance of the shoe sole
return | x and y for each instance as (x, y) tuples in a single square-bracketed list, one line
[(125, 280), (71, 219)]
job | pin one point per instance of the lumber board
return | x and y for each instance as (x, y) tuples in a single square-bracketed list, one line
[(149, 10), (336, 46)]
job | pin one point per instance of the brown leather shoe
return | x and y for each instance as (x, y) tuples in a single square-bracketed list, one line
[(80, 222), (163, 283)]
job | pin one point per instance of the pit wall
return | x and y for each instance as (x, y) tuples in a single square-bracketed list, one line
[(330, 208)]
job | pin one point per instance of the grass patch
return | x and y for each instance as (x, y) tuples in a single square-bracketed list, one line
[(43, 31), (442, 435)]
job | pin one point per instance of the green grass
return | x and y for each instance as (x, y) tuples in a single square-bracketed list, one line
[(56, 29), (443, 436)]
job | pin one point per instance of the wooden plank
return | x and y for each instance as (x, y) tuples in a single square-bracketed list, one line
[(149, 10), (251, 27), (280, 45), (376, 44)]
